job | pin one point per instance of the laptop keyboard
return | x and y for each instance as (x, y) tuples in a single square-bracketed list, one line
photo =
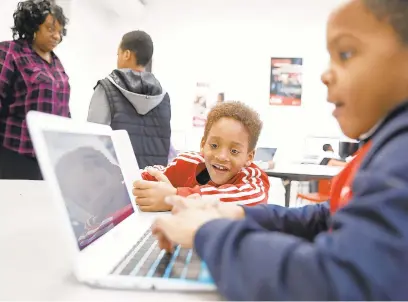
[(146, 259)]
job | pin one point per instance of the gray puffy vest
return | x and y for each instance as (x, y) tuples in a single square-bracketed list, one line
[(149, 133)]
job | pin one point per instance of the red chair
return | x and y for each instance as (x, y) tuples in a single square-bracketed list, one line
[(322, 195), (324, 187)]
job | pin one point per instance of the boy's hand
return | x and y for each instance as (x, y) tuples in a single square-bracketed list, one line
[(180, 228), (150, 195), (158, 175), (192, 201), (230, 211)]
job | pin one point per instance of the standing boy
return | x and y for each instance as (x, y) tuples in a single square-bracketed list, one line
[(132, 99)]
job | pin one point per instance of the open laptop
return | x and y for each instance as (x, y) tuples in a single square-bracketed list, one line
[(90, 170), (264, 154)]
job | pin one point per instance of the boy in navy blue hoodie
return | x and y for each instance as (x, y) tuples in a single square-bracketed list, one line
[(356, 249)]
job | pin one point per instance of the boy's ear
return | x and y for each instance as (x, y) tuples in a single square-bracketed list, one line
[(127, 54), (202, 145), (250, 158)]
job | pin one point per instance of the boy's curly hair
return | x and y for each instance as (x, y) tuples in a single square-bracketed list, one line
[(240, 112)]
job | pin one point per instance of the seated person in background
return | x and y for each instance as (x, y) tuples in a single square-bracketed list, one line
[(330, 158), (356, 250), (95, 190), (328, 148), (132, 99), (223, 169)]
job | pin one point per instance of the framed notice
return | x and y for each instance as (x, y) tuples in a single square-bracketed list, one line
[(285, 87), (200, 104)]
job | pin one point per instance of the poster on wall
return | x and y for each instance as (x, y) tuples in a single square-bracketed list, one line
[(200, 104), (206, 97), (286, 82)]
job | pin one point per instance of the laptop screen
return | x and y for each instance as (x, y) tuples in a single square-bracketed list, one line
[(91, 182), (264, 154)]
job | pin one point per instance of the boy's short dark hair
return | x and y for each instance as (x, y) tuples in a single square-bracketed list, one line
[(395, 12), (240, 112), (140, 43), (327, 147)]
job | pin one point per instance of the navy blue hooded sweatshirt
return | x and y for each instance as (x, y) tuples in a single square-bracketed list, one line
[(279, 253)]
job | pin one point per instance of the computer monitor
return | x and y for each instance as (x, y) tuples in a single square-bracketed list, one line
[(264, 154)]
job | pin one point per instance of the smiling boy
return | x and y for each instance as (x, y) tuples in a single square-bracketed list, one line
[(223, 169), (356, 249)]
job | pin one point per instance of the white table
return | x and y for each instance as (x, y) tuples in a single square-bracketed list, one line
[(32, 265), (301, 172)]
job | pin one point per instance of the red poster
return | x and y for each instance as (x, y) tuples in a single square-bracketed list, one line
[(286, 82)]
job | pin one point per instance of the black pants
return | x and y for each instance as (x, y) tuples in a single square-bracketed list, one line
[(16, 166)]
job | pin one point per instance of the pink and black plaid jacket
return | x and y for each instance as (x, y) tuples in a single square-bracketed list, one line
[(27, 82)]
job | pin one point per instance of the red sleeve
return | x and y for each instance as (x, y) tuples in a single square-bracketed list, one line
[(172, 171), (250, 188), (147, 176)]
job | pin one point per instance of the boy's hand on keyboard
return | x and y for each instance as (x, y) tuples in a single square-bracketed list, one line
[(180, 228), (150, 195)]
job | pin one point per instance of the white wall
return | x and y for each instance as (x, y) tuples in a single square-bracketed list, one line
[(89, 50), (230, 45), (7, 8), (227, 43)]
